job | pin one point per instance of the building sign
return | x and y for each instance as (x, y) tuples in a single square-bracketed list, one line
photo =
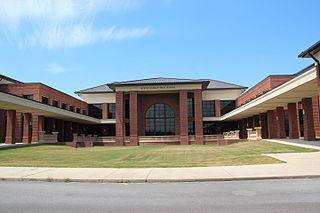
[(157, 87), (165, 87)]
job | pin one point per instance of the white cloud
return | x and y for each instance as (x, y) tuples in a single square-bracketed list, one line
[(80, 34), (55, 68), (63, 23)]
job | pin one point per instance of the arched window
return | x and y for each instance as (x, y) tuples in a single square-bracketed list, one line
[(159, 120)]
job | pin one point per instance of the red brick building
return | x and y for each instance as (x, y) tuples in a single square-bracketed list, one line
[(163, 111)]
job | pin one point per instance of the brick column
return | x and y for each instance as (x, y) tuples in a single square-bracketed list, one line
[(256, 121), (26, 128), (2, 125), (309, 132), (217, 108), (105, 111), (281, 132), (119, 119), (198, 120), (264, 125), (133, 118), (37, 125), (19, 127), (11, 126), (244, 132), (183, 103), (271, 123), (293, 121)]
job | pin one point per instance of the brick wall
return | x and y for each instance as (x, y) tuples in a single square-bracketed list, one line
[(2, 125), (38, 90), (262, 87)]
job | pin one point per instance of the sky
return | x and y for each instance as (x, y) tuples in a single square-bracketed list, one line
[(77, 44)]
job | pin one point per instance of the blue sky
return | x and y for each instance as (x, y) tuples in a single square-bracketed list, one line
[(76, 44)]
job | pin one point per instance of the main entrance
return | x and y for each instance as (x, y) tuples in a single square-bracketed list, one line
[(159, 120)]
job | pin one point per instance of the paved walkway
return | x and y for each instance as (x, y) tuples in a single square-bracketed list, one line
[(297, 165)]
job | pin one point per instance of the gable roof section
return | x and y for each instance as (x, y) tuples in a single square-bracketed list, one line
[(98, 89), (3, 77), (207, 84), (313, 49)]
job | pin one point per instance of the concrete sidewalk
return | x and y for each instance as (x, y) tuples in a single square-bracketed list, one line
[(298, 165)]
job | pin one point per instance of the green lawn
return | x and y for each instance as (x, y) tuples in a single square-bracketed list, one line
[(243, 153)]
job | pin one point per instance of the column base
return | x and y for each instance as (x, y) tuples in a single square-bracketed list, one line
[(134, 141), (199, 140), (184, 139)]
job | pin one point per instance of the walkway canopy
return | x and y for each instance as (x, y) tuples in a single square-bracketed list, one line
[(303, 85)]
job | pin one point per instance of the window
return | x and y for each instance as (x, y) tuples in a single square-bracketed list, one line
[(84, 112), (227, 106), (78, 110), (71, 108), (190, 107), (127, 109), (45, 100), (55, 103), (191, 127), (95, 110), (63, 106), (30, 97), (208, 109), (112, 111), (159, 120)]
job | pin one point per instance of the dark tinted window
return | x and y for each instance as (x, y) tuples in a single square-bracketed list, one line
[(208, 109), (55, 103), (112, 111), (78, 110), (30, 97), (45, 100), (190, 107), (227, 106), (127, 109), (159, 120), (95, 110), (191, 127), (64, 106), (71, 108)]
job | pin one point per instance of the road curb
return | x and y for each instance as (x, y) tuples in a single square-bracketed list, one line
[(155, 180)]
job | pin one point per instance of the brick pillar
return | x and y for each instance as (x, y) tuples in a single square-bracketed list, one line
[(105, 111), (26, 128), (19, 127), (11, 126), (271, 124), (293, 121), (309, 132), (37, 125), (250, 122), (281, 132), (244, 132), (256, 121), (119, 119), (217, 108), (2, 125), (264, 125), (198, 120), (133, 118), (183, 103)]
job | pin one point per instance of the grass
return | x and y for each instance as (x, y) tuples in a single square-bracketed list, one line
[(244, 153)]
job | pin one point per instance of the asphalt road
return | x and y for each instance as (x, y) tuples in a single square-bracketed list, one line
[(295, 195)]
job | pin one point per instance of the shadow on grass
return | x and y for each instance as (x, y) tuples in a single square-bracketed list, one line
[(19, 146)]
